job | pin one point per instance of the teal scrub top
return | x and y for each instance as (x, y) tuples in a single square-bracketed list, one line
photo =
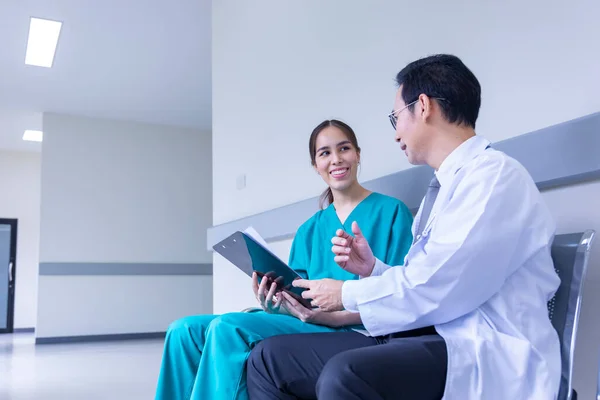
[(384, 221)]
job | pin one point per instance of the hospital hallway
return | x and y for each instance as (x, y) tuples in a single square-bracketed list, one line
[(90, 371)]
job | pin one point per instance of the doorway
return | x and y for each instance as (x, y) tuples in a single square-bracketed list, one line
[(8, 267)]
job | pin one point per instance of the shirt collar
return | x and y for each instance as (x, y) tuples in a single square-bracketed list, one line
[(464, 153)]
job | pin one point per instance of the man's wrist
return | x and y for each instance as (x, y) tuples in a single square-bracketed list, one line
[(380, 268), (373, 262), (372, 265), (348, 295)]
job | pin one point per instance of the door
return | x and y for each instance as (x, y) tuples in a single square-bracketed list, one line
[(8, 253)]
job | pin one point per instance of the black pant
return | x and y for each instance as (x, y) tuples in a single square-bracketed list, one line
[(347, 365)]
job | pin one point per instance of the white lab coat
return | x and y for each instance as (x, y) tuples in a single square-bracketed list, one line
[(482, 274)]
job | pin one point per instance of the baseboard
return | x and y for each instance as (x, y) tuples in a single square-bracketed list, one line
[(99, 338), (24, 330)]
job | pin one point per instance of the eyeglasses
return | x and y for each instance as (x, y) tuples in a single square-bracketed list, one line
[(393, 116)]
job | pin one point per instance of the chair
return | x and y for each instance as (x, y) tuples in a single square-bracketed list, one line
[(570, 253)]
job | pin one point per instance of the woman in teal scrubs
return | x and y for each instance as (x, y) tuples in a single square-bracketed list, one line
[(205, 355)]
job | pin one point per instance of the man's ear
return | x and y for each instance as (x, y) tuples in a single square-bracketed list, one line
[(425, 105)]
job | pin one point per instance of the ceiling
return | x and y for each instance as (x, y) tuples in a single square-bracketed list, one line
[(138, 60)]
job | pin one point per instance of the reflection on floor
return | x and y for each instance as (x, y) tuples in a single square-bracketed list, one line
[(90, 371)]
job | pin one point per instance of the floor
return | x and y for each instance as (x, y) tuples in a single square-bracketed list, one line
[(90, 371)]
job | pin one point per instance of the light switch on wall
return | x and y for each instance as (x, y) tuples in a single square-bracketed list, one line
[(241, 182)]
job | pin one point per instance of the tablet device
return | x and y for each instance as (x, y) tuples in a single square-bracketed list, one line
[(250, 256)]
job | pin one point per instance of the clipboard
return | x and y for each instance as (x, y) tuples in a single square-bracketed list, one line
[(250, 256)]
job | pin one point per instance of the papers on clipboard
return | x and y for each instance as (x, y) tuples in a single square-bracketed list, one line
[(250, 231)]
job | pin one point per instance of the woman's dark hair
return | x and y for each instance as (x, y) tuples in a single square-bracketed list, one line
[(443, 76), (327, 196)]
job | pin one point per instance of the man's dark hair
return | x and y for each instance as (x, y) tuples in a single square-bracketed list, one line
[(443, 76)]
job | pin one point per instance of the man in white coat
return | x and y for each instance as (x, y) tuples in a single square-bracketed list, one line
[(466, 316)]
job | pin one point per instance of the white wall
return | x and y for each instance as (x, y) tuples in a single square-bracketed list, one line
[(124, 192), (135, 304), (280, 68), (285, 66), (121, 192), (20, 198)]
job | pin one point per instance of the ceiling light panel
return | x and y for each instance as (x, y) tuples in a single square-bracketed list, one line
[(42, 41), (33, 136)]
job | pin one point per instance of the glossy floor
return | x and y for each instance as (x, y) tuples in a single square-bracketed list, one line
[(90, 371)]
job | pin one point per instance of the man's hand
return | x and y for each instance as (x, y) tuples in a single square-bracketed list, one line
[(265, 294), (353, 253), (324, 293)]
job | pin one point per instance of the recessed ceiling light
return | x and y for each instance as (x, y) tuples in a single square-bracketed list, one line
[(33, 136), (41, 45)]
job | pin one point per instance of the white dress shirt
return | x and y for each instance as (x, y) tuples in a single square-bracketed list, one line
[(482, 274)]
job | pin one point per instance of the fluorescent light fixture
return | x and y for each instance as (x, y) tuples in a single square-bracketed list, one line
[(33, 136), (41, 45)]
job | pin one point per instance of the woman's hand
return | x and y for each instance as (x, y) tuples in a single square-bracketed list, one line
[(265, 294), (316, 316), (296, 309)]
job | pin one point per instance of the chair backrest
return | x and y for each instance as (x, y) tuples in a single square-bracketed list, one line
[(570, 253)]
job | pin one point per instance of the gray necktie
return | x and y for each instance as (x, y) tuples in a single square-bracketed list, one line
[(430, 196)]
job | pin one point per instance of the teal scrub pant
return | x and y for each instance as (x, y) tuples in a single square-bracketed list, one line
[(205, 355)]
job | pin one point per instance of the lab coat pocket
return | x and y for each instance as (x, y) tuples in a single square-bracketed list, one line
[(507, 356)]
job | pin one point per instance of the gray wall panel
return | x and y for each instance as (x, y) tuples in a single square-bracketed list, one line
[(558, 155), (57, 268)]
